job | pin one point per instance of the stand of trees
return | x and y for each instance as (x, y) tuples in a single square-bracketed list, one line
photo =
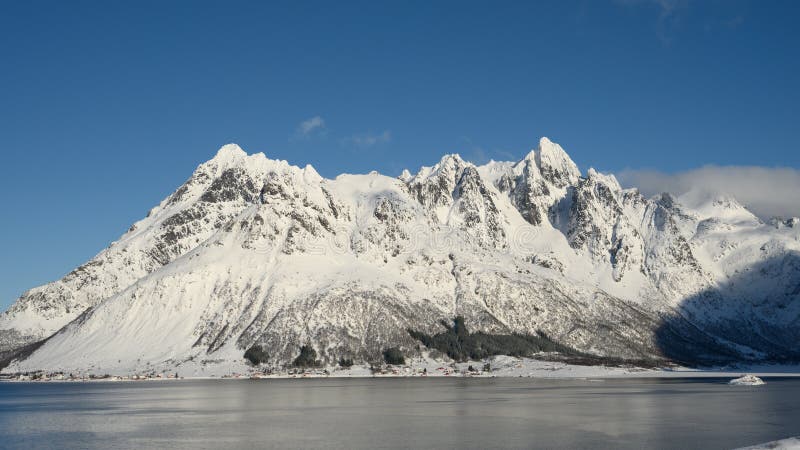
[(345, 362), (256, 355), (461, 345), (307, 357), (394, 356)]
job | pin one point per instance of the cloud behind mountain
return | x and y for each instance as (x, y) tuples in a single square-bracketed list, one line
[(766, 191)]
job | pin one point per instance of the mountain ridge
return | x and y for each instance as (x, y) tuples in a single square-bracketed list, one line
[(251, 250)]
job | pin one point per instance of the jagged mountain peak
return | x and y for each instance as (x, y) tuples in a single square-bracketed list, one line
[(545, 141), (229, 151), (228, 156), (555, 164), (448, 163), (608, 179), (311, 175), (708, 204), (405, 175), (530, 156), (233, 162)]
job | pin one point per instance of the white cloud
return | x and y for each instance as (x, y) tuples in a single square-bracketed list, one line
[(766, 191), (311, 125), (369, 139)]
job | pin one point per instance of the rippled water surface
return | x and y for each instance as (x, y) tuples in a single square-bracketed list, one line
[(392, 413)]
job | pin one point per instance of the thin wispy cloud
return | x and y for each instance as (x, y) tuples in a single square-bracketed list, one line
[(670, 15), (766, 191), (477, 154), (668, 18), (368, 139), (315, 123)]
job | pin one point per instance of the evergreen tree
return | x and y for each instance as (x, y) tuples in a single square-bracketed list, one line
[(393, 356), (307, 357), (256, 355), (345, 362)]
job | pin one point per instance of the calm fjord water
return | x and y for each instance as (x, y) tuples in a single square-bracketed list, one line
[(398, 413)]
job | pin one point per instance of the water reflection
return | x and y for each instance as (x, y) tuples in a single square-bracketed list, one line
[(411, 413)]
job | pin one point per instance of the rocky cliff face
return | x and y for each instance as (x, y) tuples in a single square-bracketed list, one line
[(251, 250)]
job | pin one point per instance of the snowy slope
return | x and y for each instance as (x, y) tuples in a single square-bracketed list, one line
[(252, 250)]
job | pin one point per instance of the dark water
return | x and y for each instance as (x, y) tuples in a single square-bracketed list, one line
[(393, 413)]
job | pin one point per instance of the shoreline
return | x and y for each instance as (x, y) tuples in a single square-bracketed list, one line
[(682, 376), (499, 367)]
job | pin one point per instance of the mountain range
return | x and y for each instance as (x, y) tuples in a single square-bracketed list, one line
[(254, 251)]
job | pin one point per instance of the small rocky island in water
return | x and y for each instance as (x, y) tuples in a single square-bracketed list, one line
[(747, 380)]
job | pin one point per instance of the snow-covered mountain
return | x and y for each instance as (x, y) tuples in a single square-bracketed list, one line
[(252, 250)]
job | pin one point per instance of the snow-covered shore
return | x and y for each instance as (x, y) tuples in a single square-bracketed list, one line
[(792, 443), (500, 366)]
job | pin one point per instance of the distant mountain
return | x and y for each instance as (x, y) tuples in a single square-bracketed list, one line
[(251, 250)]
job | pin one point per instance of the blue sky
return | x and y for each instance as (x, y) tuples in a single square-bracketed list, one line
[(107, 107)]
